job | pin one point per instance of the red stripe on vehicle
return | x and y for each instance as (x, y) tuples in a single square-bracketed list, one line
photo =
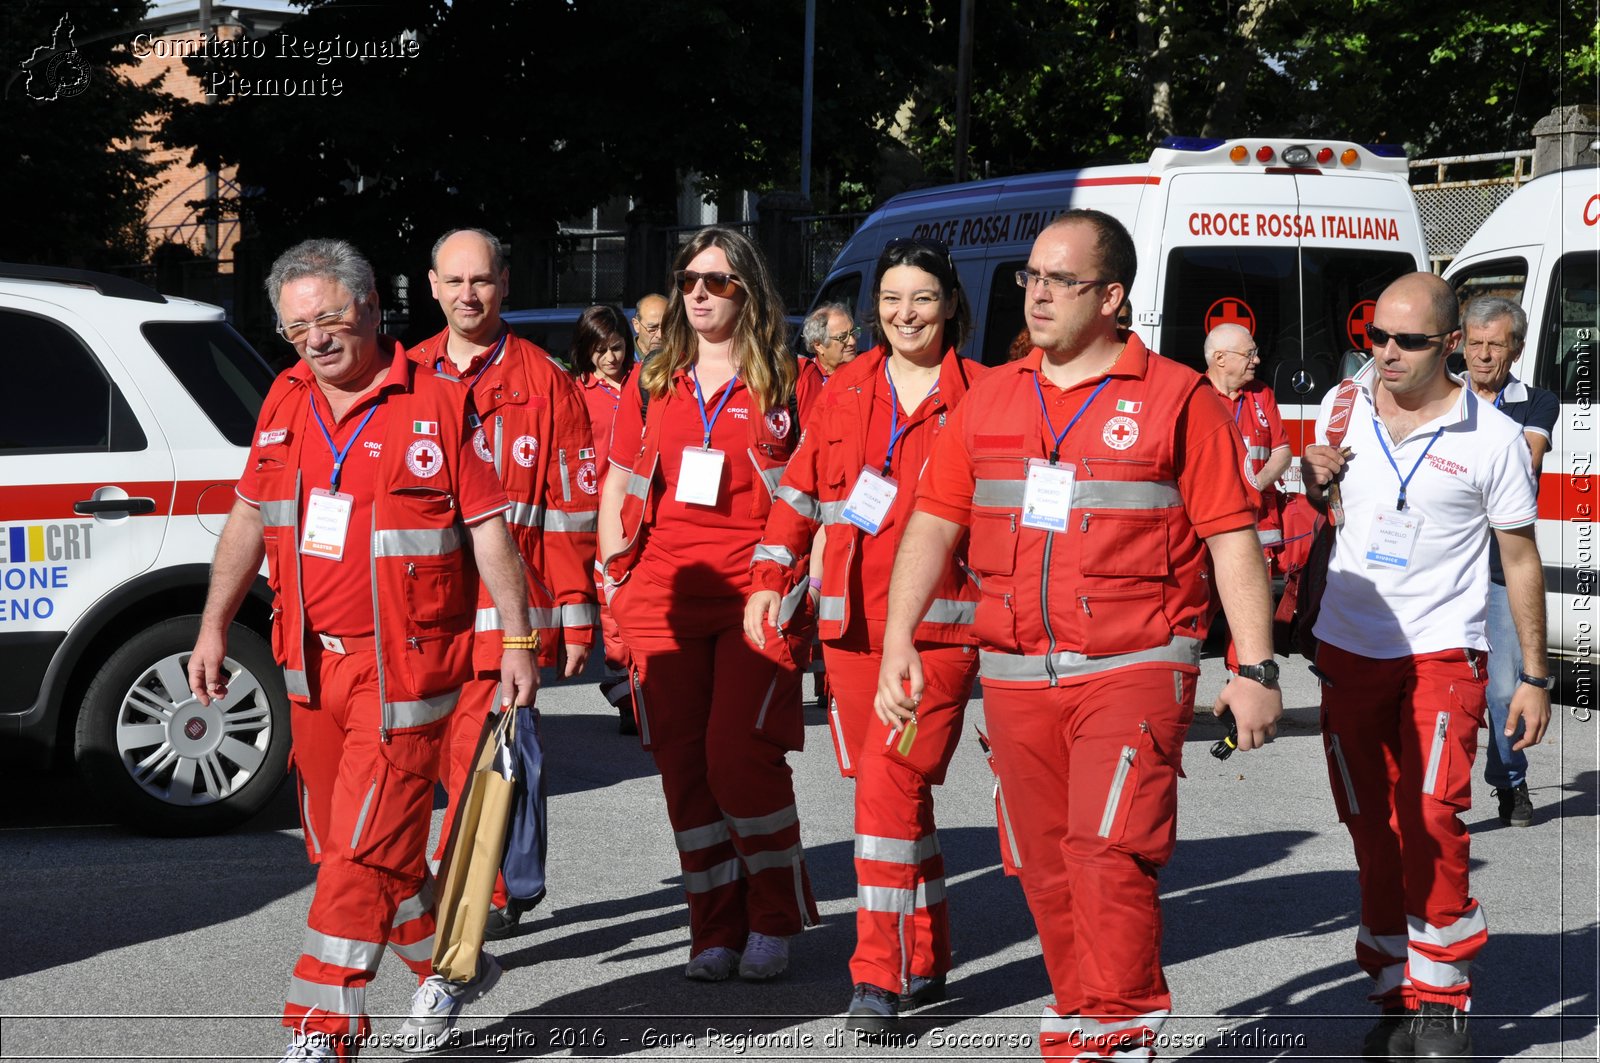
[(36, 502)]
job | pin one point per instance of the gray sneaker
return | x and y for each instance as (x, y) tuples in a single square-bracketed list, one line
[(310, 1048), (711, 965), (437, 1004), (873, 1013), (765, 956)]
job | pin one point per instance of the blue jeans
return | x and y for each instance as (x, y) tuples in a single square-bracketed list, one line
[(1504, 766)]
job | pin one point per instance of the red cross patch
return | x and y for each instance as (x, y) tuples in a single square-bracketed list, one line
[(524, 450), (588, 478), (1120, 433), (424, 458)]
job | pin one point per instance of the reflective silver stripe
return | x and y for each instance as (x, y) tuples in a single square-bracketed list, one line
[(998, 494), (755, 863), (1025, 667), (897, 901), (342, 952), (724, 874), (416, 542), (416, 952), (1125, 494), (294, 681), (950, 611), (832, 512), (338, 1000), (583, 614), (566, 481), (1269, 535), (1353, 805), (791, 602), (1258, 453), (583, 520), (525, 514), (770, 478), (640, 708), (1434, 973), (638, 486), (1005, 822), (805, 505), (705, 837), (488, 618), (310, 827), (361, 820), (780, 555), (1114, 795), (1419, 930), (840, 744), (766, 702), (277, 514), (1088, 1027), (1391, 945), (896, 850), (1390, 977), (1441, 728), (421, 713), (756, 826), (415, 906), (830, 607)]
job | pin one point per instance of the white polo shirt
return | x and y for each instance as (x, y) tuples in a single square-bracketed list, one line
[(1476, 475)]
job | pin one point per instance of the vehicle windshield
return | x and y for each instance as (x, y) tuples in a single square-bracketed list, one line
[(223, 373)]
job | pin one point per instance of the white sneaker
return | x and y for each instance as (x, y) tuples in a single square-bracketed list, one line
[(437, 1004), (312, 1047), (764, 957), (711, 965)]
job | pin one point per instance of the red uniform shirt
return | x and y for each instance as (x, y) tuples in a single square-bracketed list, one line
[(601, 399), (338, 594)]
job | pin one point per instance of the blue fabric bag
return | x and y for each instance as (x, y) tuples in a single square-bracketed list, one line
[(528, 838)]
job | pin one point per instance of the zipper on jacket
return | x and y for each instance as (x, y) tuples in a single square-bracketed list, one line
[(377, 633), (1044, 610), (1352, 805), (1114, 797), (1084, 527), (566, 483), (1441, 729)]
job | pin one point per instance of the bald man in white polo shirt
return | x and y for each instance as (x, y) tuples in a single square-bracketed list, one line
[(1433, 472)]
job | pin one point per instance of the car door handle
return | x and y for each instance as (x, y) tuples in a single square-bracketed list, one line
[(130, 506)]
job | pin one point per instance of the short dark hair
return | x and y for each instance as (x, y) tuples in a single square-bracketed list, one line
[(933, 257), (594, 327), (1113, 246)]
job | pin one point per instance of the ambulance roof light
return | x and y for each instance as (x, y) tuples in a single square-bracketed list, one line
[(1264, 153), (1324, 155), (1297, 155), (1239, 153), (1350, 156), (1387, 151), (1192, 143)]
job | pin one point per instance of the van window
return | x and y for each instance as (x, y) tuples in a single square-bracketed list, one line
[(1568, 339), (1304, 320), (1004, 320), (1506, 277), (846, 289), (227, 379), (61, 401)]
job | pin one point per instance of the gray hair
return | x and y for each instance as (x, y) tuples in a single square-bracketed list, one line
[(497, 250), (815, 331), (337, 260), (1222, 334), (1489, 308)]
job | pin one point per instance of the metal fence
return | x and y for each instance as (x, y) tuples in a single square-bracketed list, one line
[(822, 236), (589, 267), (1455, 194)]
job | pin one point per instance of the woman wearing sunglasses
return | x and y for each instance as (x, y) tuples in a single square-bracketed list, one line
[(600, 360), (866, 445), (694, 464)]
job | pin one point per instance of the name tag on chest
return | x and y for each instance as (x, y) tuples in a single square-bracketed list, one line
[(1047, 496), (327, 522), (1393, 539), (870, 500), (700, 476)]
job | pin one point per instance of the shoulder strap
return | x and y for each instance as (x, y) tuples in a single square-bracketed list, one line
[(1339, 417), (644, 398)]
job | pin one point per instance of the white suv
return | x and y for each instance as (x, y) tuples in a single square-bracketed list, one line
[(128, 423)]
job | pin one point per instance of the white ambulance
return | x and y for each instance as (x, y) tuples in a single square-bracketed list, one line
[(1541, 247), (1293, 238)]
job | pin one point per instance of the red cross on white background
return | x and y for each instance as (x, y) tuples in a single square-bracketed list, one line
[(424, 457), (1229, 311), (1356, 324), (525, 452)]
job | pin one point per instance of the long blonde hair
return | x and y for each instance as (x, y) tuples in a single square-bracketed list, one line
[(766, 365)]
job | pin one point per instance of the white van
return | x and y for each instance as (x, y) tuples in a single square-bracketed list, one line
[(1541, 247), (1293, 238)]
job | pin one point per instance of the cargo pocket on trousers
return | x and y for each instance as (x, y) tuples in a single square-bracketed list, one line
[(395, 803), (780, 717), (1142, 784), (1452, 747)]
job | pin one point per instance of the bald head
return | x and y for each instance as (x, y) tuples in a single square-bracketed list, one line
[(1429, 292), (647, 324), (469, 280), (1418, 317), (1231, 357)]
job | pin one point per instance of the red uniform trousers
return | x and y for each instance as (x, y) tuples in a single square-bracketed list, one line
[(718, 715), (464, 727), (1401, 736), (1092, 772), (615, 686), (902, 917), (366, 806)]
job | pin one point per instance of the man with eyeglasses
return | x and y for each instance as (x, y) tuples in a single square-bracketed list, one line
[(1231, 362), (830, 336), (1098, 487), (647, 315), (1430, 472), (361, 492), (1496, 329)]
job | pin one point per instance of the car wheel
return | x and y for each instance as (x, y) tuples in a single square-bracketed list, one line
[(164, 763)]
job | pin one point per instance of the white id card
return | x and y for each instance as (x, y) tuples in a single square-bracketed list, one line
[(1394, 535), (1047, 496), (700, 476), (870, 500), (327, 520)]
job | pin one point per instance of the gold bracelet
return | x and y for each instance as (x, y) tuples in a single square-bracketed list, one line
[(521, 642)]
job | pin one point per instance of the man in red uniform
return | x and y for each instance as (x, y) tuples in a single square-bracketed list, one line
[(1101, 485), (1231, 362), (361, 489), (830, 338), (534, 427)]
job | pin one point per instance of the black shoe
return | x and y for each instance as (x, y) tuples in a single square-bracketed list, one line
[(873, 1012), (1390, 1038), (502, 922), (626, 724), (1439, 1031), (1516, 808), (925, 990)]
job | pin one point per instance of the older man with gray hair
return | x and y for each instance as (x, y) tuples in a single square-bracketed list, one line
[(1232, 358), (829, 336)]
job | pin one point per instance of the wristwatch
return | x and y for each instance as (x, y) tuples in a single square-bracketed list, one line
[(1543, 682), (1265, 673)]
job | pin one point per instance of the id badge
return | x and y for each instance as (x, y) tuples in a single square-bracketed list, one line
[(1393, 538), (908, 736), (870, 500), (700, 476), (327, 521), (1047, 496)]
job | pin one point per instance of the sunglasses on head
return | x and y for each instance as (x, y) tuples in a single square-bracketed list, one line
[(925, 242), (719, 284), (1406, 341)]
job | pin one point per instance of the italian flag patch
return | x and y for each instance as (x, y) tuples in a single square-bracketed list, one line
[(427, 428), (1124, 406)]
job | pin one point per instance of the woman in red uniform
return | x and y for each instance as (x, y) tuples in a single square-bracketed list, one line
[(691, 483), (601, 364), (856, 474)]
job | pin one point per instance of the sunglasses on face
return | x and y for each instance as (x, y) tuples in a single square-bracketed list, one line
[(719, 284), (1406, 341)]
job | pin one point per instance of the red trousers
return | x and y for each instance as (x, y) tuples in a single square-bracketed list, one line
[(366, 806), (718, 715), (902, 917), (1401, 736), (464, 727), (1091, 773)]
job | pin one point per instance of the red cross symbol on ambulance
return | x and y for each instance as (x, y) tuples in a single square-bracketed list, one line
[(1230, 311), (1356, 325)]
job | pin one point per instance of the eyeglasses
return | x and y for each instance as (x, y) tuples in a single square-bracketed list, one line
[(651, 328), (840, 337), (718, 284), (1251, 355), (1026, 278), (1406, 341), (332, 323)]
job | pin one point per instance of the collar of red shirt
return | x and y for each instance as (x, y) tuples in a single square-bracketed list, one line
[(1131, 362)]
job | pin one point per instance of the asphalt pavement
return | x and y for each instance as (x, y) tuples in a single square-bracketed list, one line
[(118, 946)]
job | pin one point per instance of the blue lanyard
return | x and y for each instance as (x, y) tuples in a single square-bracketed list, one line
[(1381, 432), (338, 455), (701, 399), (1500, 398), (1055, 455), (494, 356), (894, 416)]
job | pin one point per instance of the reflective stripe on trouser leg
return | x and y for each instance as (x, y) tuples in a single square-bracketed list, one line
[(1091, 841), (1086, 1037)]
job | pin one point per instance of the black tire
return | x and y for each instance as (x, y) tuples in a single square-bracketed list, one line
[(161, 762)]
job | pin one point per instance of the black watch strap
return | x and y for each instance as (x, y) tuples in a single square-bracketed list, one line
[(1543, 682)]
